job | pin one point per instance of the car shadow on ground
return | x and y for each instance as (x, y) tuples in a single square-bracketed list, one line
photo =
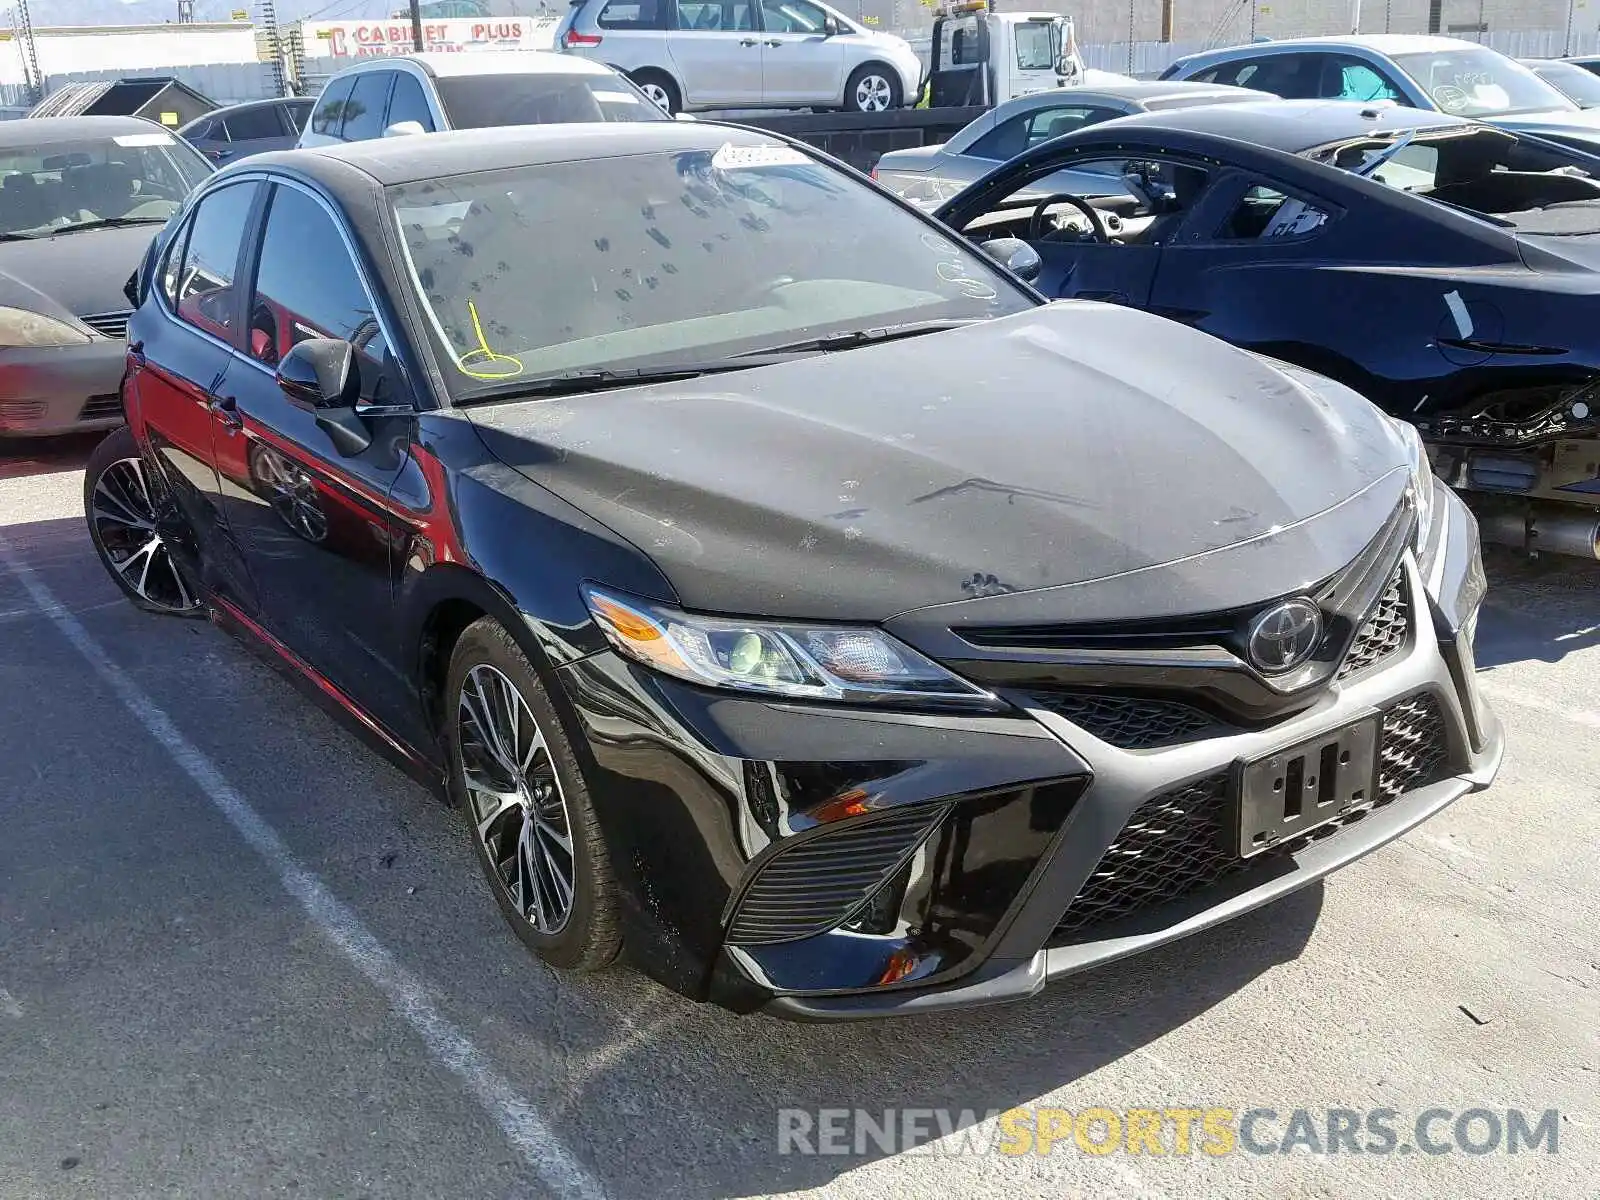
[(1537, 610), (21, 457), (983, 1060)]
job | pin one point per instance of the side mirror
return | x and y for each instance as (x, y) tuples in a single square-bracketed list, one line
[(1016, 256), (319, 373), (404, 129), (831, 26)]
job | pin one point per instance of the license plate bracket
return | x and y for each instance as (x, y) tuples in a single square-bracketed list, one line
[(1292, 791)]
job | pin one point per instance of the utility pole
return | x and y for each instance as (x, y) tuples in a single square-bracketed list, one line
[(274, 44), (1566, 45), (1168, 13), (32, 78), (1130, 35), (1355, 16), (416, 26)]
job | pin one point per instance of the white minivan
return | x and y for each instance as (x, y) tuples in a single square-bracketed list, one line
[(706, 54)]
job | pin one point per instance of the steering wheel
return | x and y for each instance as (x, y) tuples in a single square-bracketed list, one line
[(1096, 226)]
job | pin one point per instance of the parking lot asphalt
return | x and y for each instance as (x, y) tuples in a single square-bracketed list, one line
[(240, 955)]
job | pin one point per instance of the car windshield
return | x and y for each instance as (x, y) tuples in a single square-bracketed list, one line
[(1533, 187), (484, 101), (1477, 82), (51, 187), (661, 258), (1573, 81)]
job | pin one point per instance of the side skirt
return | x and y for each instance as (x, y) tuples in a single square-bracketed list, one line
[(419, 766)]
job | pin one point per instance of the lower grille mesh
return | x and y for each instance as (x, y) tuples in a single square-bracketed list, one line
[(1178, 842), (813, 886), (1131, 722), (1414, 751)]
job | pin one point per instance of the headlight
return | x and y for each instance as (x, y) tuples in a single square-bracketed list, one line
[(812, 662), (20, 327), (1421, 479)]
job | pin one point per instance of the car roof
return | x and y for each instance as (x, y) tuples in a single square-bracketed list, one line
[(389, 161), (30, 131), (442, 65), (1292, 126), (1388, 44), (1136, 92)]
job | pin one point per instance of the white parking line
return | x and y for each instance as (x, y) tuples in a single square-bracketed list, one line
[(516, 1116)]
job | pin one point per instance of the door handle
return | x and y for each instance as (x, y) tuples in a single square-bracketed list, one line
[(748, 42), (774, 42), (226, 410)]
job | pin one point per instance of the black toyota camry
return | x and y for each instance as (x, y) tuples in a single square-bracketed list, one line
[(794, 603)]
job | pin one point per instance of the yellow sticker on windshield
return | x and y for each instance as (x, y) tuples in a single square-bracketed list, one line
[(484, 363)]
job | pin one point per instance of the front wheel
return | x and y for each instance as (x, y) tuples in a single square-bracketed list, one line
[(514, 774), (122, 500), (872, 89)]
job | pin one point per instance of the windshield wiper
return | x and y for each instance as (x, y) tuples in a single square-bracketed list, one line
[(19, 237), (105, 223), (600, 379), (852, 338)]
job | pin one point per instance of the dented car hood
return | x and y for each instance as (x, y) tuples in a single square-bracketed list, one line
[(1017, 458)]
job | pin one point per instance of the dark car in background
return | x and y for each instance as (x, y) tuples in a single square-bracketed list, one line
[(646, 484), (1446, 269), (80, 200), (254, 127)]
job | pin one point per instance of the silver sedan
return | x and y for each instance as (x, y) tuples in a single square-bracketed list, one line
[(930, 175)]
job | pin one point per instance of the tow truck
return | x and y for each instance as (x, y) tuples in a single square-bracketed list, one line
[(977, 57)]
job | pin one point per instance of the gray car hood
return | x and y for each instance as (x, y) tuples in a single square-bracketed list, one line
[(1070, 443), (75, 273)]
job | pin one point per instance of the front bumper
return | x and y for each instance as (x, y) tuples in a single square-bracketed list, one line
[(65, 389), (736, 825)]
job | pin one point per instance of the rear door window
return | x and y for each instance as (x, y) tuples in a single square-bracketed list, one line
[(631, 14), (328, 119), (1266, 214), (297, 111), (249, 124), (363, 119), (1357, 80), (408, 102)]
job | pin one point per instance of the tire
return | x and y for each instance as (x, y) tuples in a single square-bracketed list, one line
[(122, 498), (872, 88), (514, 829), (659, 86)]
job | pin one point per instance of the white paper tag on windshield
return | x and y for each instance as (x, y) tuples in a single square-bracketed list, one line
[(143, 139), (734, 158), (616, 97)]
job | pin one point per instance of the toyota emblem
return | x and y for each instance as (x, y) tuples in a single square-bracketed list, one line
[(1284, 636)]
